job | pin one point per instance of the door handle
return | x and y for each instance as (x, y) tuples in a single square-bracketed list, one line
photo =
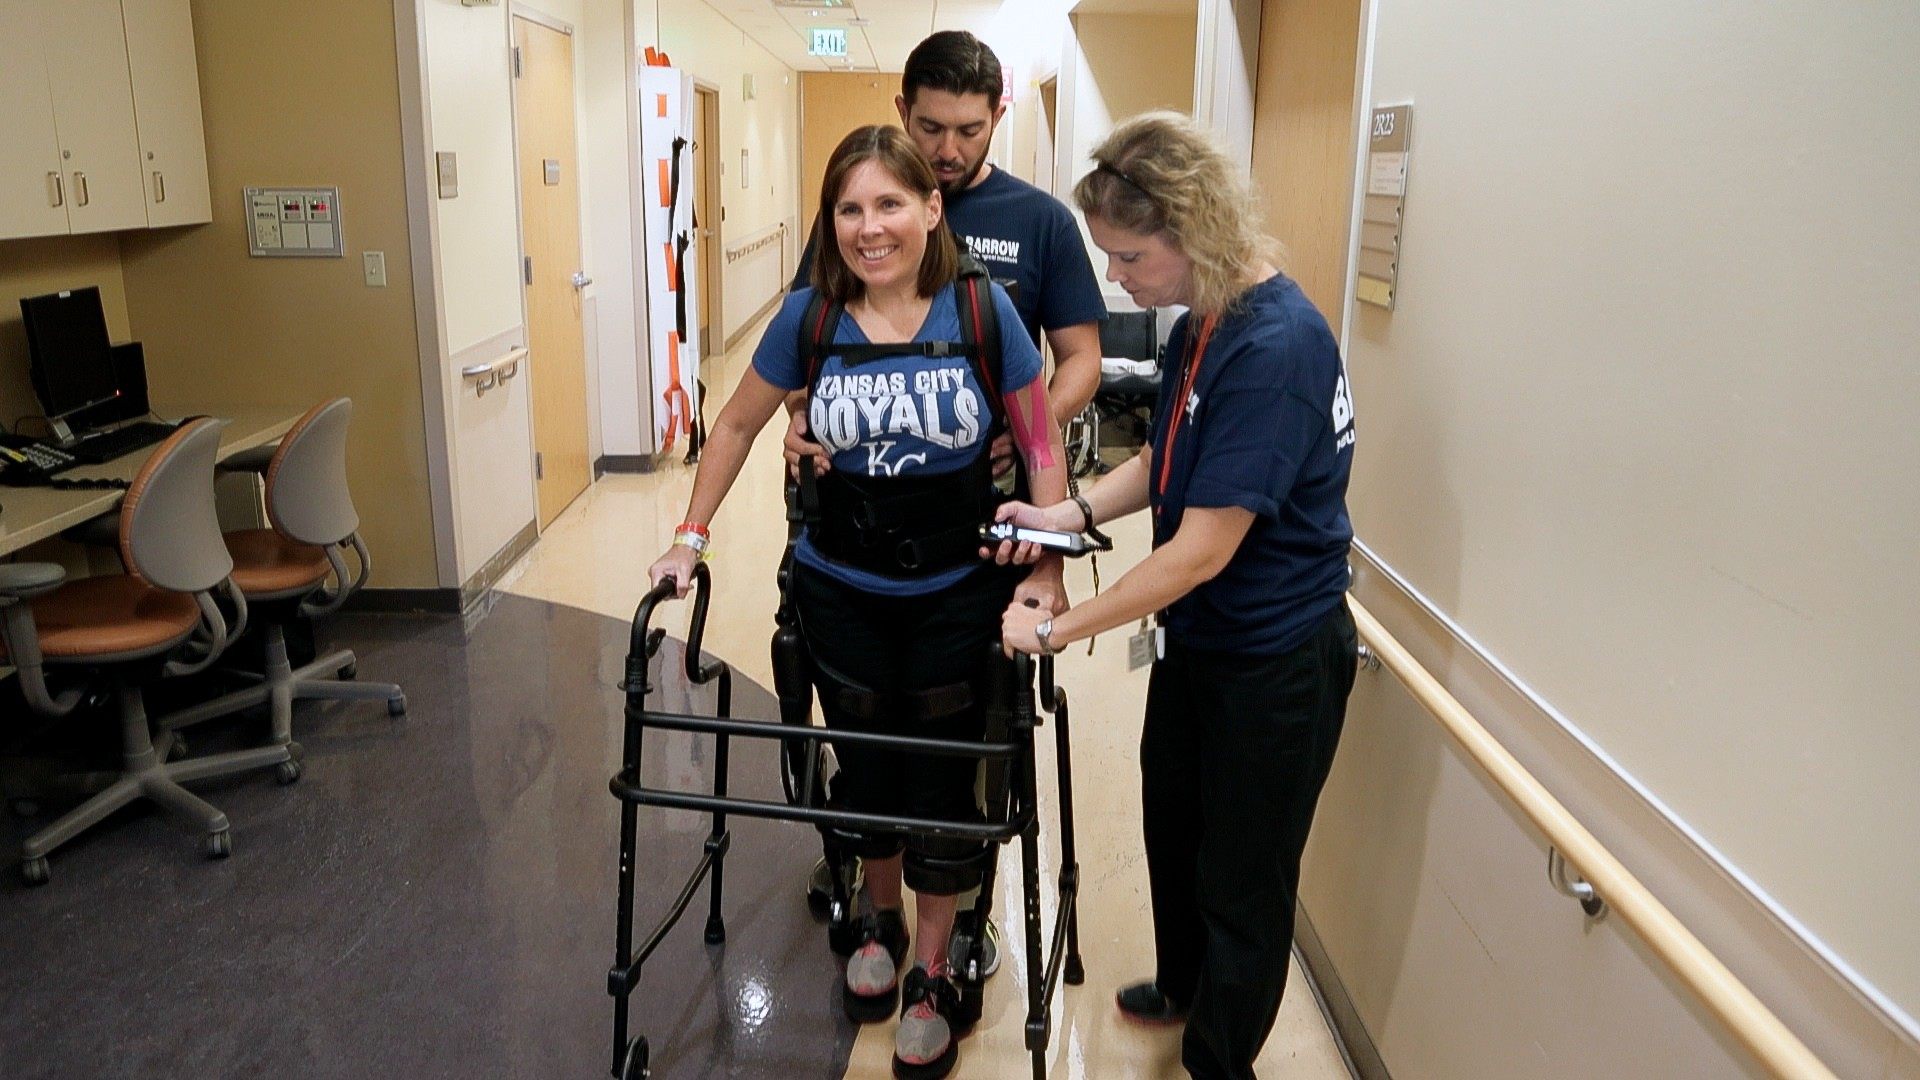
[(80, 189), (56, 189), (581, 280), (159, 186)]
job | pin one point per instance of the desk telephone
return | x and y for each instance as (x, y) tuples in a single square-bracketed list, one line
[(29, 463)]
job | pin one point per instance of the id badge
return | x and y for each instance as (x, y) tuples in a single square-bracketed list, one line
[(1146, 646)]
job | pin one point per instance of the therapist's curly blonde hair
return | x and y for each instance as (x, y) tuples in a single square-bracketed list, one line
[(1159, 173)]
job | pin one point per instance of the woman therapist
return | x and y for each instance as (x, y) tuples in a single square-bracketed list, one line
[(1246, 476)]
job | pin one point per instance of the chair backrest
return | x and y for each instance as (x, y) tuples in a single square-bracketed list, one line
[(307, 495), (1129, 335), (169, 529)]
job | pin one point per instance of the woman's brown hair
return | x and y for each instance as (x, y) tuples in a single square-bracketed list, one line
[(889, 146)]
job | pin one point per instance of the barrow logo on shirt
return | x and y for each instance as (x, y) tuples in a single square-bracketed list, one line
[(1342, 413), (987, 248), (900, 418)]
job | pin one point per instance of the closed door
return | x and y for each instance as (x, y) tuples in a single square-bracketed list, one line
[(32, 177), (553, 277), (833, 103), (706, 208), (93, 111)]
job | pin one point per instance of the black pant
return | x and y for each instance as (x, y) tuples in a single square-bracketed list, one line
[(895, 647), (1232, 758)]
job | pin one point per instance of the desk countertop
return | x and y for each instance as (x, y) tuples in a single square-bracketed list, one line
[(32, 514)]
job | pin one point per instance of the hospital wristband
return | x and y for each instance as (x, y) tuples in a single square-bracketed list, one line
[(694, 535)]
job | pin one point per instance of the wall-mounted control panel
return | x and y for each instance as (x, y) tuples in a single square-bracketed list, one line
[(296, 222)]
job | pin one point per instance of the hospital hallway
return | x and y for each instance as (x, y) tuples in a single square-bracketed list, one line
[(435, 896), (595, 558)]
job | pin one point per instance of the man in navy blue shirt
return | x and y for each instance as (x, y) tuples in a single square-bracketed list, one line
[(950, 104)]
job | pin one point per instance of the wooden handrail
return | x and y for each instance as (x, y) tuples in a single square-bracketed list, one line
[(1752, 1024)]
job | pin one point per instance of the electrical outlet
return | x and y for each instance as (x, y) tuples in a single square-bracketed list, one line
[(375, 264)]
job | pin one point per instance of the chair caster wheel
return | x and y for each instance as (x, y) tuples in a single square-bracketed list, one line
[(36, 871), (350, 669), (635, 1067), (397, 706), (219, 844), (287, 772), (23, 808)]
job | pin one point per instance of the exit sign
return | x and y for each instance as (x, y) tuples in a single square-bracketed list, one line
[(829, 41)]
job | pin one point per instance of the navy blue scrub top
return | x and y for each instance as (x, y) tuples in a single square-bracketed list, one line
[(1268, 428)]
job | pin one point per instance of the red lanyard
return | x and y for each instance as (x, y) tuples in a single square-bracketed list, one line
[(1186, 392)]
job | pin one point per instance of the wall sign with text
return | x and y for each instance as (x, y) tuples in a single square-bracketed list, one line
[(1378, 268), (828, 41)]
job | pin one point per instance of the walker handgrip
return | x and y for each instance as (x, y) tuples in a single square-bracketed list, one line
[(697, 628), (639, 646), (1047, 694)]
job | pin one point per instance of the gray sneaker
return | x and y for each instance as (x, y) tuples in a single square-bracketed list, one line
[(873, 971), (925, 1046)]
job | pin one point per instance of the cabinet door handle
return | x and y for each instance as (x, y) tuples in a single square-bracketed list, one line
[(159, 186), (80, 189), (56, 189)]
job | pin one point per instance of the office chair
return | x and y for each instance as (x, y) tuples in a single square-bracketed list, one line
[(119, 632), (284, 574), (1123, 397)]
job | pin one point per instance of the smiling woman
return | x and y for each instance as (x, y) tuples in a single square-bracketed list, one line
[(895, 607)]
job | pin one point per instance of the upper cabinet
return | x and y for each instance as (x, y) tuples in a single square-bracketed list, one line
[(166, 105), (33, 186), (93, 112), (103, 98)]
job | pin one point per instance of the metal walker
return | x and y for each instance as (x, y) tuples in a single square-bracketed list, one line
[(1012, 812)]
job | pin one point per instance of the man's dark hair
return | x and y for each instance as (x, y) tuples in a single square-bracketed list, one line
[(954, 61)]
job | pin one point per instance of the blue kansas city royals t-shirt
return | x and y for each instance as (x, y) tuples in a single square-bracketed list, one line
[(1268, 428), (920, 415)]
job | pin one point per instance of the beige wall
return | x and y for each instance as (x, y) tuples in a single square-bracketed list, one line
[(221, 328), (1103, 80), (49, 264), (833, 103), (702, 42), (714, 50), (1643, 425), (1304, 140)]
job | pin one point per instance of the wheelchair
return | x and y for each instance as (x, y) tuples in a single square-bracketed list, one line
[(1129, 389), (1012, 813)]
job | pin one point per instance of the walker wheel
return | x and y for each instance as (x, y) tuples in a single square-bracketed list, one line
[(36, 870), (287, 771), (219, 844), (635, 1065)]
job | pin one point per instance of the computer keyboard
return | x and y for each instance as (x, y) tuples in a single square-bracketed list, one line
[(107, 445)]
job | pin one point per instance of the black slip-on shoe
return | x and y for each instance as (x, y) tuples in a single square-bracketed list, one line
[(1143, 1003)]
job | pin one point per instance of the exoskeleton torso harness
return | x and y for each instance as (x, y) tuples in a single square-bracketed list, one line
[(912, 524)]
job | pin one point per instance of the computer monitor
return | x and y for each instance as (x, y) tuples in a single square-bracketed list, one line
[(1129, 335), (69, 357)]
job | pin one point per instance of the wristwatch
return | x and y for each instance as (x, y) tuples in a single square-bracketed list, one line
[(1043, 634)]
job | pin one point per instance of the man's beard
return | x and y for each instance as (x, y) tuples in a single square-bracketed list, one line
[(966, 179)]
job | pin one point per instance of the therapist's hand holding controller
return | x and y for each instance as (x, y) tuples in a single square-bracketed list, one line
[(1027, 533)]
